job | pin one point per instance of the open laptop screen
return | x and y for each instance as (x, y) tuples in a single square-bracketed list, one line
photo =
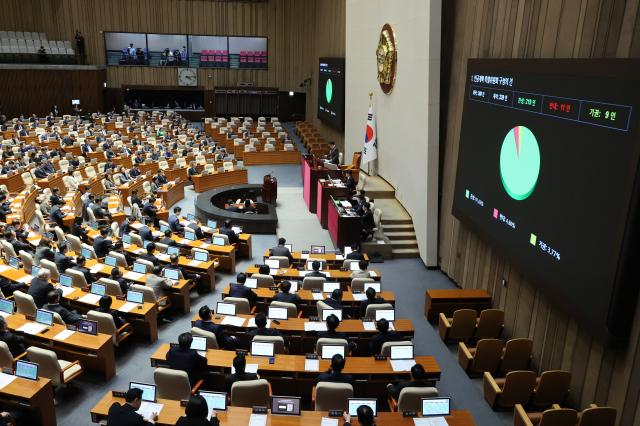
[(262, 348), (436, 407), (354, 403), (148, 391), (285, 405), (27, 370), (328, 351)]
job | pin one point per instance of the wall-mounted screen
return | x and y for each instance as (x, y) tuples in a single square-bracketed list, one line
[(126, 48), (548, 175), (210, 51), (331, 92), (247, 52), (168, 50)]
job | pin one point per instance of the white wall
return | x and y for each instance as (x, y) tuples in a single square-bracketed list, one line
[(407, 118)]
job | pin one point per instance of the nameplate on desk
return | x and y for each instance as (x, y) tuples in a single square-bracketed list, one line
[(259, 410), (335, 413), (380, 357), (118, 394)]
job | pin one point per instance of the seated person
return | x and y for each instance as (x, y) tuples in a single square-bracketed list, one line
[(239, 290), (174, 263), (145, 233), (362, 272), (418, 380), (158, 284), (239, 364), (116, 275), (227, 229), (365, 416), (13, 341), (174, 220), (197, 413), (205, 323), (315, 266), (186, 359), (166, 240), (262, 330), (125, 226), (285, 296), (62, 261), (80, 266), (40, 287), (125, 414), (335, 300), (102, 244), (53, 305), (333, 322), (334, 374), (372, 299), (281, 250), (383, 336), (78, 230), (149, 256), (104, 306)]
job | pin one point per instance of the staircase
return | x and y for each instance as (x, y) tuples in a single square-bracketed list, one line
[(402, 236)]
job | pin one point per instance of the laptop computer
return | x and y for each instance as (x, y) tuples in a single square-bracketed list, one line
[(14, 262), (290, 247), (262, 348), (328, 351), (189, 235), (99, 289), (225, 308), (27, 370), (354, 266), (278, 313), (285, 405), (44, 317), (7, 306), (140, 268), (110, 260), (87, 327), (329, 287), (388, 314), (327, 312), (164, 228), (191, 217), (251, 283), (126, 238), (65, 280), (375, 286), (199, 344), (200, 256), (35, 270), (217, 241), (347, 250), (354, 403), (402, 352), (212, 223), (215, 400), (148, 390), (171, 250), (436, 407), (135, 296), (172, 274), (88, 254), (272, 263)]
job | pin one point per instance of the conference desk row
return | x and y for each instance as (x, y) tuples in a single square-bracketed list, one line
[(205, 182), (257, 158), (288, 374), (334, 260), (34, 396), (332, 275), (240, 416)]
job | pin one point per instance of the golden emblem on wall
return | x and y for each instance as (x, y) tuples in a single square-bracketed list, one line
[(386, 59)]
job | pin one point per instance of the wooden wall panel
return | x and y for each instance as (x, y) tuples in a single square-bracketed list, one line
[(537, 29)]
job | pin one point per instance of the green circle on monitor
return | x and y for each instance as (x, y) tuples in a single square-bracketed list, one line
[(519, 163), (328, 90)]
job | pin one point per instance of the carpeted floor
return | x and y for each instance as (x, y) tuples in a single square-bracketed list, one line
[(407, 278)]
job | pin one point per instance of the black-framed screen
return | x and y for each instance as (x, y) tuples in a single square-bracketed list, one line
[(331, 91)]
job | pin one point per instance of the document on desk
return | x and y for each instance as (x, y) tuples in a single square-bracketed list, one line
[(162, 256), (234, 321), (140, 251), (258, 420), (4, 314), (4, 268), (303, 273), (345, 204), (315, 326), (252, 323), (317, 296), (373, 274), (402, 364), (90, 299), (311, 365), (25, 280), (127, 307), (369, 325), (430, 421), (96, 268), (63, 335), (194, 263), (147, 409), (5, 379), (183, 242), (206, 229), (67, 290), (205, 245), (339, 257), (32, 328), (359, 297), (134, 276), (135, 226), (326, 421), (250, 368)]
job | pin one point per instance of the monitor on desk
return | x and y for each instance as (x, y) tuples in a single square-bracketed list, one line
[(289, 247), (329, 287), (35, 270), (328, 351), (135, 297), (14, 262), (199, 343), (99, 289), (388, 314), (88, 254), (87, 327), (65, 280), (262, 348), (217, 241), (7, 306), (191, 217), (171, 250), (436, 407), (27, 370), (126, 238), (225, 308), (148, 391), (215, 400), (110, 261), (272, 263), (354, 403), (278, 313), (44, 317), (317, 249), (145, 243), (189, 235), (212, 223), (354, 266), (251, 283), (375, 286), (172, 274), (201, 256), (402, 352), (326, 313), (94, 226), (285, 405), (139, 268), (164, 228)]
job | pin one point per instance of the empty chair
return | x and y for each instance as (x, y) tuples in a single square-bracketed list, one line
[(321, 306), (484, 357), (8, 250), (410, 398), (292, 309), (515, 388), (357, 284), (24, 303), (59, 234), (278, 343), (552, 388), (386, 346), (51, 266), (227, 165), (173, 384), (346, 264), (461, 327), (263, 281), (552, 417), (283, 261), (163, 165), (212, 341), (6, 357), (106, 325), (490, 324), (332, 396), (251, 393), (27, 179), (27, 261), (326, 341), (75, 244), (148, 296), (249, 148), (112, 287), (517, 355), (60, 372), (311, 283), (77, 277), (269, 147), (242, 305), (597, 416), (370, 313)]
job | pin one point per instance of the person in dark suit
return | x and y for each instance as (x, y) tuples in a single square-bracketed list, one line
[(135, 171), (227, 230), (5, 208), (186, 359), (151, 248), (197, 229), (239, 290), (145, 233), (55, 197), (262, 330), (160, 178), (102, 245), (384, 335), (116, 275), (333, 156), (367, 221), (349, 181), (79, 231), (192, 170), (281, 250), (57, 215), (151, 211), (88, 276), (125, 226), (332, 324), (355, 253), (135, 199), (17, 245), (315, 266), (104, 306), (335, 300), (13, 341), (285, 296), (418, 380), (334, 374), (62, 260), (174, 220), (372, 299), (365, 416), (125, 414), (40, 287), (53, 305), (205, 323), (197, 413), (166, 240), (239, 364)]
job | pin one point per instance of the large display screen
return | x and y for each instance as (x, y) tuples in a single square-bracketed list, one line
[(331, 92), (547, 174)]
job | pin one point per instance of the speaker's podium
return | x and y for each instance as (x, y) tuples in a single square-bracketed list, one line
[(312, 170), (269, 189)]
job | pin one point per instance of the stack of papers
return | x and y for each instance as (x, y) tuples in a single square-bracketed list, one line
[(64, 334), (90, 299), (402, 364), (26, 279), (134, 276), (205, 245), (339, 257), (359, 297), (67, 291), (32, 328), (317, 296), (162, 256), (304, 256), (326, 421), (258, 420), (5, 379), (250, 368), (195, 263), (315, 326), (4, 268), (311, 365), (252, 323), (96, 268), (430, 421), (148, 409), (127, 307), (234, 321)]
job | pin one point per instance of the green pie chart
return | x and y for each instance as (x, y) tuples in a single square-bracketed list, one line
[(328, 90), (519, 163)]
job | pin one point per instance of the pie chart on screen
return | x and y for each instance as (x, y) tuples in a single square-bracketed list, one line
[(328, 90), (519, 163)]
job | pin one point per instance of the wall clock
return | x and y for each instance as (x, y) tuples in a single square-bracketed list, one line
[(386, 59), (187, 77)]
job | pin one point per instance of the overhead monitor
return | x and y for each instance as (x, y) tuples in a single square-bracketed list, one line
[(331, 91)]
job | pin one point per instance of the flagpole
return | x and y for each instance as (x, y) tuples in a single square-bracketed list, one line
[(370, 105)]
